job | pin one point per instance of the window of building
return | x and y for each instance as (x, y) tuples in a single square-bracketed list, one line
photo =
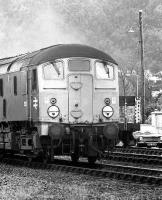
[(1, 87), (29, 142), (23, 142)]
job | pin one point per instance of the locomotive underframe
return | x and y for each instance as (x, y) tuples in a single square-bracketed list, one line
[(87, 140)]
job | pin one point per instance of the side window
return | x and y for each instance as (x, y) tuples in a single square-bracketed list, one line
[(15, 85), (4, 108), (34, 79), (23, 82), (1, 87)]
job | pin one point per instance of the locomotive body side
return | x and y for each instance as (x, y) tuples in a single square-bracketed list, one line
[(13, 107)]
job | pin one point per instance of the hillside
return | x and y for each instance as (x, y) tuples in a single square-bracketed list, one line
[(103, 24), (106, 25)]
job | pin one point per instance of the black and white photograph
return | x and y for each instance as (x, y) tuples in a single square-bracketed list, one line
[(80, 99)]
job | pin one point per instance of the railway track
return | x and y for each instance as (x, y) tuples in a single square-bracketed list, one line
[(136, 155), (138, 150), (116, 171), (136, 158)]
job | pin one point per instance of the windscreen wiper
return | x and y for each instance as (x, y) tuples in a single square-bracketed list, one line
[(56, 68), (106, 69)]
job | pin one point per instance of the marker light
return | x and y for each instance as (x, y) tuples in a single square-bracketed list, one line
[(107, 101), (107, 111), (53, 101), (53, 111)]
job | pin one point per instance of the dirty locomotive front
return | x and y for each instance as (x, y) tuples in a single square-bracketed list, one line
[(60, 100)]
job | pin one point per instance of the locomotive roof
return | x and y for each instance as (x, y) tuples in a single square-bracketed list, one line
[(67, 51), (56, 52), (4, 61)]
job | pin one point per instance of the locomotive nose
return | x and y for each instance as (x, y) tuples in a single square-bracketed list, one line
[(111, 131), (80, 107)]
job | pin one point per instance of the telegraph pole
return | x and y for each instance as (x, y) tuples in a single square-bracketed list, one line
[(142, 67)]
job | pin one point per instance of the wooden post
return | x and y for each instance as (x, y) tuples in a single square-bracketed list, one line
[(142, 68)]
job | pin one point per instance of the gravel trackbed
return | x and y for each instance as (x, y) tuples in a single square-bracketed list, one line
[(25, 183)]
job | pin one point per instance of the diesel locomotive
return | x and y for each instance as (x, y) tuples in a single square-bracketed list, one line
[(60, 100)]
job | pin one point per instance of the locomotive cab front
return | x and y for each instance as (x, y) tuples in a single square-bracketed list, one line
[(78, 106)]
